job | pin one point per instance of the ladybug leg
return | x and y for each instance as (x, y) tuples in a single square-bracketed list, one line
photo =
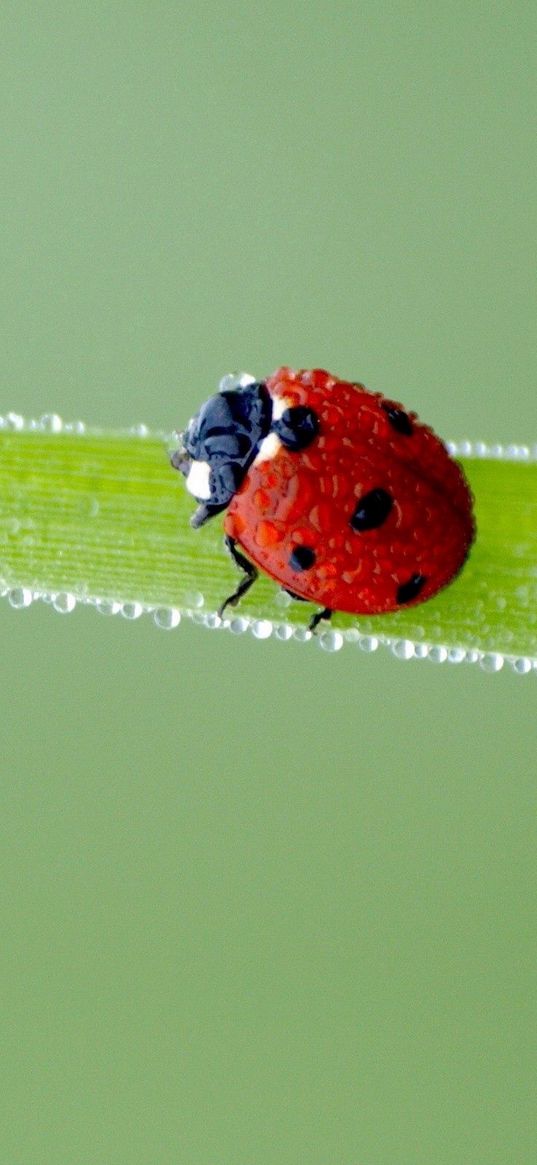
[(298, 598), (326, 613), (250, 573), (313, 624)]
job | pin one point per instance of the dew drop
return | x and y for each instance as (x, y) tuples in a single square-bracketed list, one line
[(331, 641), (351, 635), (233, 380), (437, 653), (513, 452), (492, 662), (262, 629), (403, 649), (50, 423), (522, 666), (132, 610), (20, 597), (64, 602), (14, 421), (167, 618), (194, 600), (238, 625), (456, 654), (283, 599), (368, 643), (108, 607), (284, 632)]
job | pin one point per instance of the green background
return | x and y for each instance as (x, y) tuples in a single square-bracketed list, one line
[(261, 904)]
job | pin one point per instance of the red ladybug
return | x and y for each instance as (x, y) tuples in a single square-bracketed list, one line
[(339, 494)]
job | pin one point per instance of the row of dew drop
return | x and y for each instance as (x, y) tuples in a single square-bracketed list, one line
[(53, 423), (168, 618)]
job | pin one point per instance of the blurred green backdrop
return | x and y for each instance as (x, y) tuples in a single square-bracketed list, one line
[(261, 904)]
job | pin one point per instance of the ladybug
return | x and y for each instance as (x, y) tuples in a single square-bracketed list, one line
[(338, 493)]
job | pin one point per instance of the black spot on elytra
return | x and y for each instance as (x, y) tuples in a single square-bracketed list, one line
[(297, 427), (302, 558), (411, 589), (371, 510), (399, 420)]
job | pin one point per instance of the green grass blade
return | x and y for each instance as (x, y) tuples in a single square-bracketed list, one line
[(101, 517)]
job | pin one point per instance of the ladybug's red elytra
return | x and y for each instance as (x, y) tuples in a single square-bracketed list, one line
[(339, 494)]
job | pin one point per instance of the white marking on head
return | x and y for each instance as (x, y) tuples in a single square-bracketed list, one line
[(268, 448), (197, 482), (271, 445), (279, 405)]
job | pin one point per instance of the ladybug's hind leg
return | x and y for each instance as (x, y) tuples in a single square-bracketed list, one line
[(325, 613), (250, 573)]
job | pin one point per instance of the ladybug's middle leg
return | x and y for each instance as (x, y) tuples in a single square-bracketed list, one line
[(250, 573)]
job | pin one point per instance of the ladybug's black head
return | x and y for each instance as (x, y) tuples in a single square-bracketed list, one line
[(220, 443)]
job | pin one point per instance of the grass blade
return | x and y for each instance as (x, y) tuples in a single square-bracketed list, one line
[(101, 517)]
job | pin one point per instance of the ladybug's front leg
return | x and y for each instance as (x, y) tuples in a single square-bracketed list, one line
[(250, 573)]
